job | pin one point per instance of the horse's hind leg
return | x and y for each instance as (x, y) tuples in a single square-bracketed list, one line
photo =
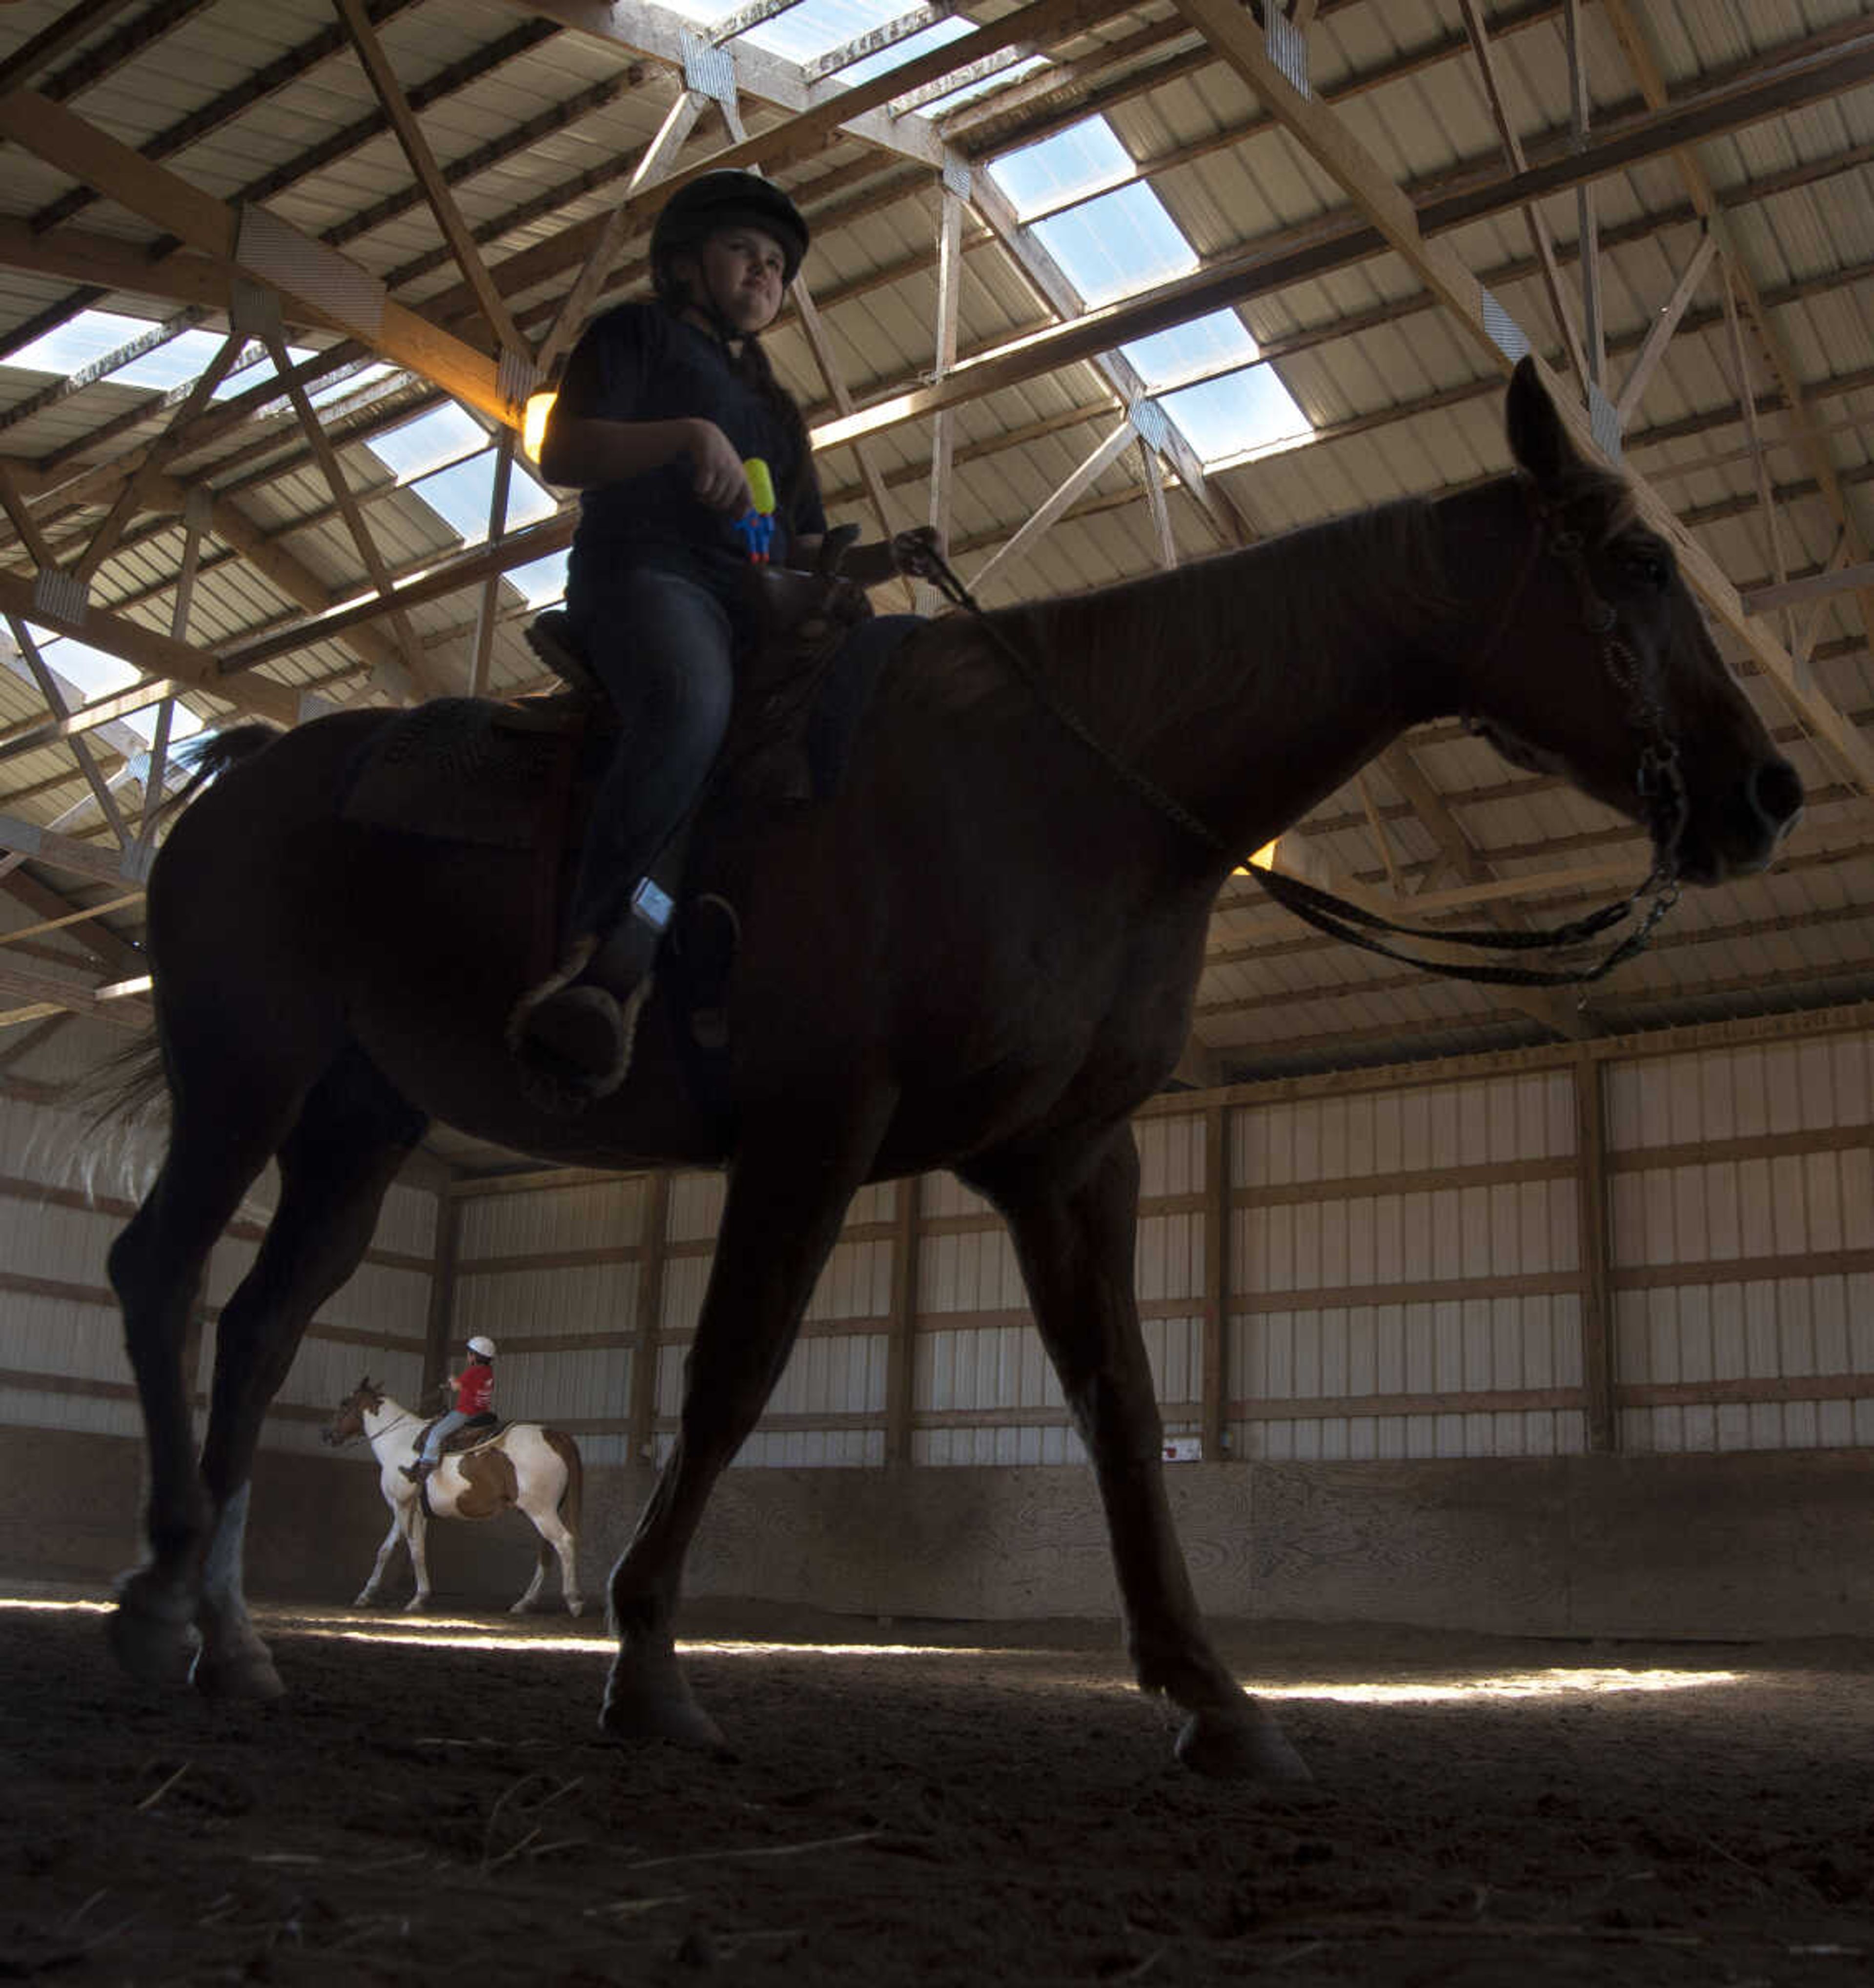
[(221, 1137), (353, 1134), (1073, 1218)]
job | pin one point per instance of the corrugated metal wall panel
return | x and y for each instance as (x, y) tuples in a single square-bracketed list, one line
[(1403, 1246), (1792, 1207)]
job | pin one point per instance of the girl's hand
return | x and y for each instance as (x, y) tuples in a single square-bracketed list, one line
[(720, 480)]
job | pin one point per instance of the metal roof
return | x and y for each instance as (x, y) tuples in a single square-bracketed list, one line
[(538, 114)]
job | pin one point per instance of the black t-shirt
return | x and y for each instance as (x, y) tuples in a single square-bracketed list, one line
[(639, 363)]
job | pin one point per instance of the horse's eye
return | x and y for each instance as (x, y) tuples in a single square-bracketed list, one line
[(1648, 566)]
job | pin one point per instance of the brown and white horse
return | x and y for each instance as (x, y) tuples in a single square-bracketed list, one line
[(526, 1468)]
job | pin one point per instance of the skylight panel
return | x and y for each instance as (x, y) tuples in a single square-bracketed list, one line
[(541, 582), (444, 434), (69, 347), (921, 43), (952, 100), (1122, 242), (1083, 159), (173, 364), (461, 496), (1188, 352), (1241, 416), (93, 674)]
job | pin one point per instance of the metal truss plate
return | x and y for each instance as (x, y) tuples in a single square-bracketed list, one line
[(957, 176), (1506, 334), (1288, 49), (60, 596), (1603, 420), (710, 71), (1149, 423), (279, 254)]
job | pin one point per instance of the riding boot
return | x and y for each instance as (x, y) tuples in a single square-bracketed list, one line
[(573, 1034), (417, 1471)]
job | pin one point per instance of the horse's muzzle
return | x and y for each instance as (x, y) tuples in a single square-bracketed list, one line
[(1750, 826)]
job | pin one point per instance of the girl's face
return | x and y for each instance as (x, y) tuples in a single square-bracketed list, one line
[(740, 270)]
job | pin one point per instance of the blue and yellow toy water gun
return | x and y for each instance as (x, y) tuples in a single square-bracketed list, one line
[(756, 525)]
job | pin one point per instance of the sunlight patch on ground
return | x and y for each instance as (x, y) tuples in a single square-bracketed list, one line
[(1556, 1683), (461, 1632)]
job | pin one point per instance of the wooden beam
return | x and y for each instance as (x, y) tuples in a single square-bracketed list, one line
[(1218, 1214), (656, 33), (679, 122), (156, 655), (1660, 334), (316, 280), (1039, 521), (902, 1332), (1541, 239), (1342, 242), (132, 1012), (1768, 600), (389, 95), (55, 39), (1600, 1362), (648, 1322)]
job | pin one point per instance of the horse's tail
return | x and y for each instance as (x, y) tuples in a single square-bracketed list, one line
[(125, 1091), (214, 755), (567, 1451)]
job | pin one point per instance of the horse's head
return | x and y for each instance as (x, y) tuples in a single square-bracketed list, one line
[(347, 1422), (1598, 667)]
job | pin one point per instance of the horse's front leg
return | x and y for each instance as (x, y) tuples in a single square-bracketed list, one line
[(787, 1196), (416, 1537), (367, 1594), (1073, 1217)]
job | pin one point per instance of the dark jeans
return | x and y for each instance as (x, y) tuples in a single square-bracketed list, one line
[(663, 648)]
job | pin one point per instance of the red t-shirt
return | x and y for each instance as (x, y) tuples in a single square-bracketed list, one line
[(475, 1389)]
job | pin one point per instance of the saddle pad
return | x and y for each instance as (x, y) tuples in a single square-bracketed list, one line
[(833, 723), (461, 769)]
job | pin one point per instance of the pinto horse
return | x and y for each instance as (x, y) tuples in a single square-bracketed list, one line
[(526, 1468), (981, 955)]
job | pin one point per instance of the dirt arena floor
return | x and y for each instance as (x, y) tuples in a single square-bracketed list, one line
[(932, 1802)]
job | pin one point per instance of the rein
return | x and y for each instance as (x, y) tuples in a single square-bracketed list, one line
[(1660, 783)]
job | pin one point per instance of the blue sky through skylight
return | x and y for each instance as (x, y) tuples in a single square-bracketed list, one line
[(541, 582), (461, 496), (445, 434), (1078, 160), (1205, 345), (92, 674), (1239, 418), (1123, 241)]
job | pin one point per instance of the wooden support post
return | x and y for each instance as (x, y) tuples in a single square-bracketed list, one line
[(679, 122), (23, 522), (482, 650), (1541, 239), (1217, 1219), (949, 303), (1760, 460), (902, 1344), (1025, 541), (440, 1328), (1599, 1364), (1663, 326), (104, 539), (455, 232), (652, 1245), (349, 509), (1588, 244), (1153, 477), (81, 751)]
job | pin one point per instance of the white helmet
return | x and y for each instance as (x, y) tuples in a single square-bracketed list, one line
[(484, 1346)]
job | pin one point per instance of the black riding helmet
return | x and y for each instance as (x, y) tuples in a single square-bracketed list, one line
[(714, 201)]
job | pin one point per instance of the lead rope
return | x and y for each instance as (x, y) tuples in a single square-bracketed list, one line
[(1659, 782)]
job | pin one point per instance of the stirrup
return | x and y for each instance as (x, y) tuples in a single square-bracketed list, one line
[(549, 636)]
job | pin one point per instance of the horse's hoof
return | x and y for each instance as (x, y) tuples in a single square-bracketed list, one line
[(152, 1645), (416, 1605), (363, 1600), (1240, 1744), (681, 1721), (575, 1605), (247, 1678)]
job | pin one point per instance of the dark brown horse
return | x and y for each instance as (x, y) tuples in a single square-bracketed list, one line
[(981, 956)]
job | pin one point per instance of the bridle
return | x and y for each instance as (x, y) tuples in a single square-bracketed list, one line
[(1660, 782), (364, 1435)]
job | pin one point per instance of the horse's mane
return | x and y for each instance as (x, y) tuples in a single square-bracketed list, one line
[(1157, 654), (1315, 610)]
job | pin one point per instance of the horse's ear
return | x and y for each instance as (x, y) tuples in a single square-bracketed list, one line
[(1537, 439)]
